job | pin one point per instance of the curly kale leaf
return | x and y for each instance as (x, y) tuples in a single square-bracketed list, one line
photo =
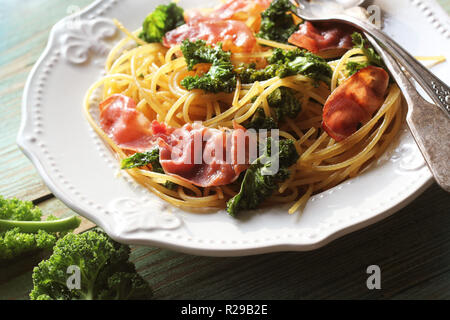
[(160, 21), (354, 67), (284, 63), (284, 102), (141, 159), (219, 78), (276, 23), (260, 121), (104, 269), (373, 57), (22, 231), (15, 209), (259, 183), (14, 243)]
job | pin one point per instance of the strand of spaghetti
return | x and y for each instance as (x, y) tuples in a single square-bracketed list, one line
[(286, 135), (171, 65), (128, 33), (201, 199), (266, 107), (174, 80), (288, 198), (330, 180), (340, 65), (254, 90), (219, 192), (209, 110), (171, 52), (294, 127), (175, 107), (306, 181), (287, 183), (228, 191), (165, 177), (216, 106), (337, 148), (306, 136), (161, 192), (314, 146), (237, 92), (148, 48), (275, 44), (343, 164), (245, 56), (258, 100), (186, 106), (302, 201), (114, 51), (264, 84), (223, 115)]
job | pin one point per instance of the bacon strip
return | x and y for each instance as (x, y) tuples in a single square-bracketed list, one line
[(324, 36), (354, 102), (202, 156), (234, 35), (128, 127), (231, 10)]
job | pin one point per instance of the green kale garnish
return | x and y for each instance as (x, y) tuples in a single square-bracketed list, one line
[(354, 67), (284, 63), (258, 184), (260, 121), (22, 230), (163, 19), (276, 23), (104, 268), (219, 78), (285, 103), (141, 159), (373, 57)]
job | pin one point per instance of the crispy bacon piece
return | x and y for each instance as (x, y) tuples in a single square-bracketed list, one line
[(203, 156), (128, 127), (324, 36), (231, 10), (354, 102), (234, 35)]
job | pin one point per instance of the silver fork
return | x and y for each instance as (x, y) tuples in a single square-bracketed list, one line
[(428, 125), (433, 86)]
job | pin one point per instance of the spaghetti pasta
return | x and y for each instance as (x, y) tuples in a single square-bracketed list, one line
[(151, 74)]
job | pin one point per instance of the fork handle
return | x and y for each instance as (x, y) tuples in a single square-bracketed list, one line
[(429, 125), (433, 86)]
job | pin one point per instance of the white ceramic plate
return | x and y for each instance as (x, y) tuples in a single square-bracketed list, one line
[(82, 172)]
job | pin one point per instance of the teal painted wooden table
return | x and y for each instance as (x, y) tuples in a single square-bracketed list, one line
[(411, 247)]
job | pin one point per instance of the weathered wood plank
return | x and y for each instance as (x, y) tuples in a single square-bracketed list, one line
[(411, 248), (23, 40)]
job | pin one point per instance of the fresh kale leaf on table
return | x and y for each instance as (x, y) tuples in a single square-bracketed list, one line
[(104, 269), (22, 230)]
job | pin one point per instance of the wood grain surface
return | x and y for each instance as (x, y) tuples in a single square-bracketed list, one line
[(412, 247)]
